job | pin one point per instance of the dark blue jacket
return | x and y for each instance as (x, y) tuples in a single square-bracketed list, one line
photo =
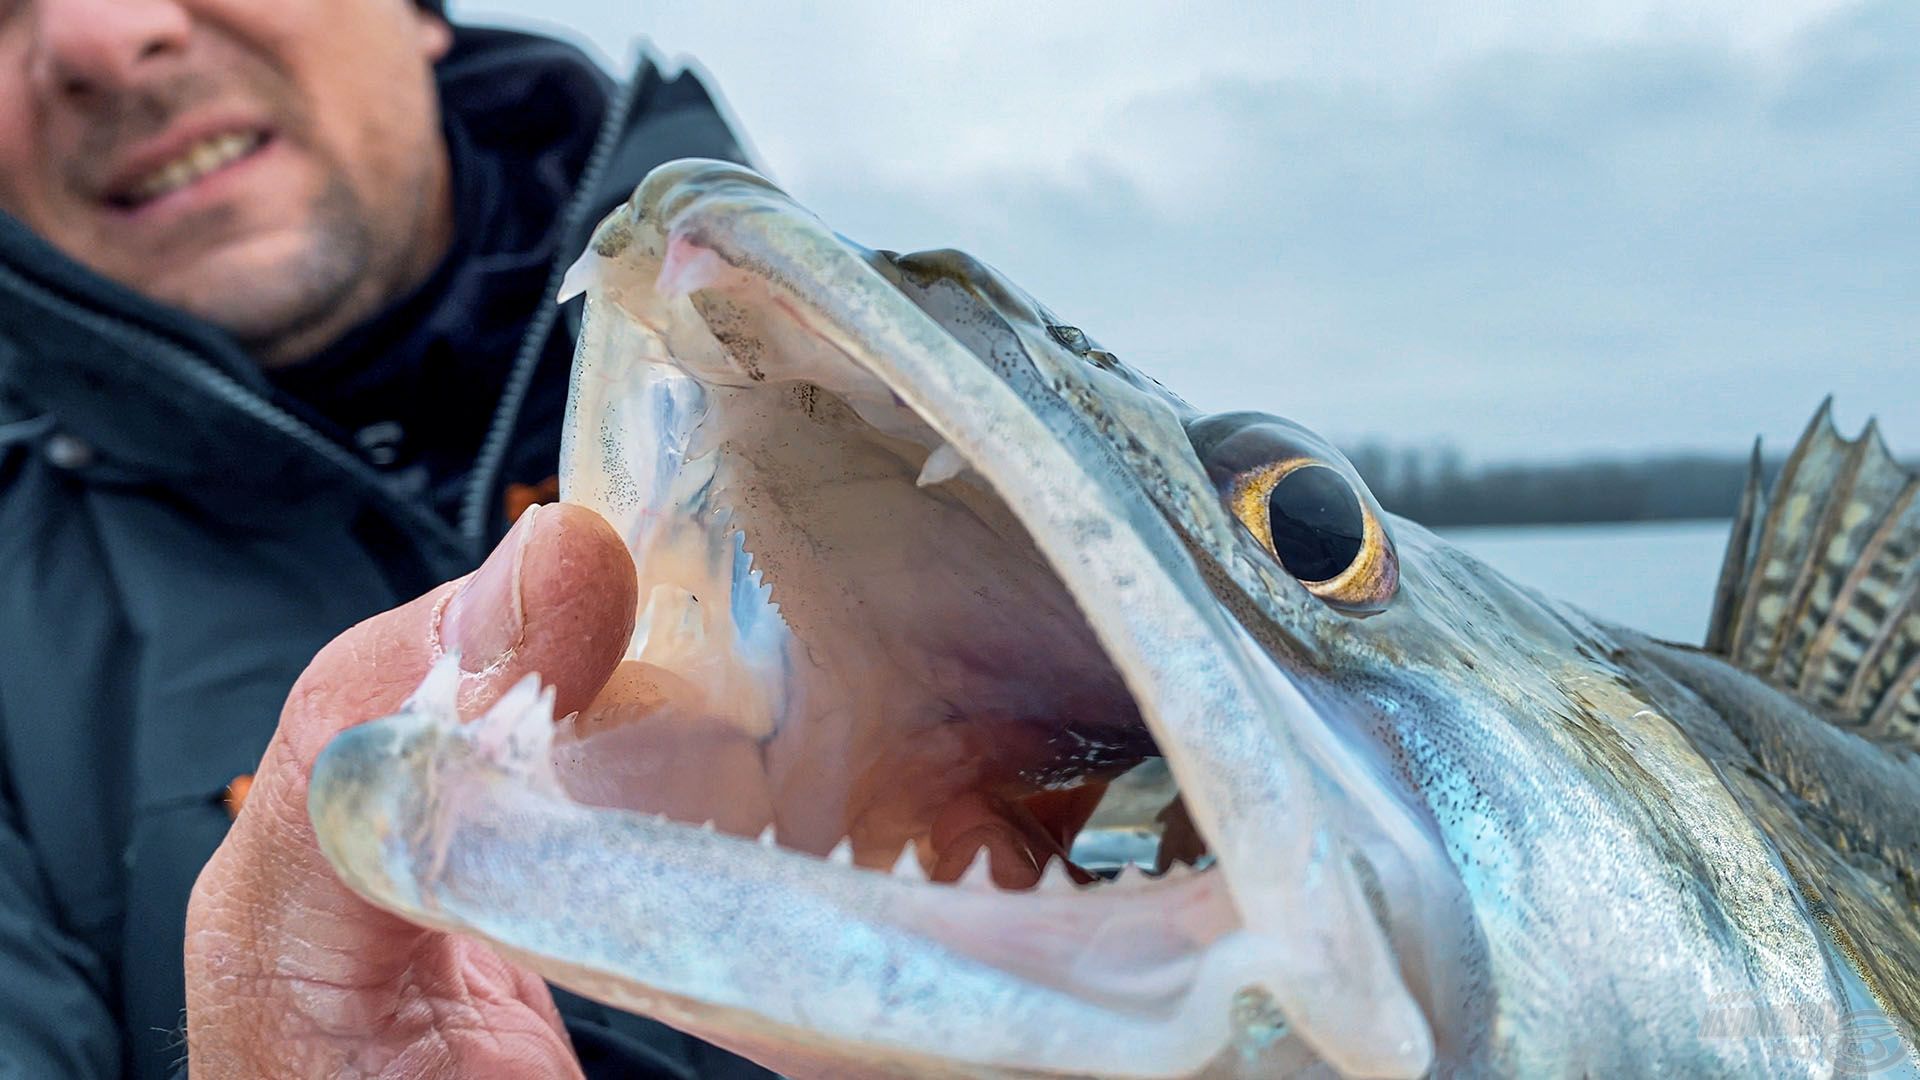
[(178, 536)]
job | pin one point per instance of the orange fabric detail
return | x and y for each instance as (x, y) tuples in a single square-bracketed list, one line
[(236, 794), (521, 496)]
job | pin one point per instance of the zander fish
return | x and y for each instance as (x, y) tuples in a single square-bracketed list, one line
[(928, 580)]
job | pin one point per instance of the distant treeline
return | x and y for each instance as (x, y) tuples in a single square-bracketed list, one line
[(1438, 488)]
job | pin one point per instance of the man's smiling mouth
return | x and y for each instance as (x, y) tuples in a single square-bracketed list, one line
[(201, 158)]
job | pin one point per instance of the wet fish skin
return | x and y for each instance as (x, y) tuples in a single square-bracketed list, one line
[(1477, 832)]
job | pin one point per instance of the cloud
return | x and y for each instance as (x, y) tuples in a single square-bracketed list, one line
[(1525, 233)]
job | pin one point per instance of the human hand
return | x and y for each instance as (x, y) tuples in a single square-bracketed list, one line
[(291, 974)]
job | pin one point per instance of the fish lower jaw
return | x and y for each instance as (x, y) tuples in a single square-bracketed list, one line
[(466, 826)]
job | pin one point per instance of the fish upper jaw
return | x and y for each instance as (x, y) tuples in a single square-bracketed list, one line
[(743, 944)]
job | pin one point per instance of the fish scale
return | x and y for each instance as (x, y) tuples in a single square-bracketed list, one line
[(1440, 824)]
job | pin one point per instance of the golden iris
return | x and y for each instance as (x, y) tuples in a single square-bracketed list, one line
[(1311, 518)]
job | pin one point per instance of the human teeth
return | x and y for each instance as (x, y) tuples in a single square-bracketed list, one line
[(195, 162)]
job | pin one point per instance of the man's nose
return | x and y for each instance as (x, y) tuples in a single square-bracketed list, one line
[(88, 47)]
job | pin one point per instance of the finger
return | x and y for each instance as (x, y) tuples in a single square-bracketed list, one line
[(556, 598)]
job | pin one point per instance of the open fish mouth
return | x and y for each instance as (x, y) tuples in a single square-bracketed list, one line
[(907, 623)]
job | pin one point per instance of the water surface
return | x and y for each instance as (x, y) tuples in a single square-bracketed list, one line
[(1657, 577)]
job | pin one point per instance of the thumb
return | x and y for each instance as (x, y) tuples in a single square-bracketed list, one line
[(556, 598)]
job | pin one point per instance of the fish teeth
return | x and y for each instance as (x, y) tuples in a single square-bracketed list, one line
[(193, 163), (1178, 871), (1055, 879), (942, 465), (979, 874), (439, 692), (766, 837), (518, 728), (585, 273), (908, 864), (842, 853)]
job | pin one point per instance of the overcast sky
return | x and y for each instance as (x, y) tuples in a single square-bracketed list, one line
[(1528, 229)]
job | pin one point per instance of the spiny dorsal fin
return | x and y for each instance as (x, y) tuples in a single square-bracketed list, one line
[(1743, 541), (1820, 593)]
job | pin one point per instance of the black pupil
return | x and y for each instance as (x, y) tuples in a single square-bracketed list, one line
[(1317, 523)]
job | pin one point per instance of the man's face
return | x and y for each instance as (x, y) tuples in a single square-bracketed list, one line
[(275, 167)]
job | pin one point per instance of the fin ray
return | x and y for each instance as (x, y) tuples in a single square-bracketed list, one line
[(1794, 511), (1743, 542), (1820, 591), (1866, 501)]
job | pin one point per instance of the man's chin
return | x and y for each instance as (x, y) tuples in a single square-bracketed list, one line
[(281, 297)]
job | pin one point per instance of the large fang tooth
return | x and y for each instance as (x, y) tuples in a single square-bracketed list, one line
[(766, 836), (942, 465), (842, 853)]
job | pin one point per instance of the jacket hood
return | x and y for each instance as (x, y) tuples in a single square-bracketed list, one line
[(157, 397)]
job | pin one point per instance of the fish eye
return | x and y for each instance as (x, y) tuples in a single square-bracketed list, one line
[(1309, 517), (1315, 523), (1300, 500)]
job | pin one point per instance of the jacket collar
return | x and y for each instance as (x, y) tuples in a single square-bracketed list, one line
[(159, 398)]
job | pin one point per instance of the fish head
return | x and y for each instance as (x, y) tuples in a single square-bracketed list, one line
[(925, 573)]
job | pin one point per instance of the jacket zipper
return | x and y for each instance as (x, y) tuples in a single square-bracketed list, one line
[(204, 375), (485, 474), (468, 542)]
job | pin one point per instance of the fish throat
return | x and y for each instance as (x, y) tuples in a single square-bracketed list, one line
[(908, 674), (905, 686)]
